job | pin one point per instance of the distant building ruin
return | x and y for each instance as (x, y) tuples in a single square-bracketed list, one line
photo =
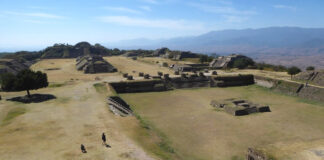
[(94, 64), (315, 77), (223, 62), (188, 67)]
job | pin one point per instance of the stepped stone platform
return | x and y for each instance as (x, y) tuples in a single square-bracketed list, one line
[(94, 64), (119, 107), (239, 107)]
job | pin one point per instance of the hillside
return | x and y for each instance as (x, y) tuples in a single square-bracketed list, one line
[(278, 45), (64, 51)]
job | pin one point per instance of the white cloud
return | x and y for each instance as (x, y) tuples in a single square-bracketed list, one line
[(153, 23), (146, 8), (123, 9), (37, 7), (35, 14), (34, 21), (234, 19), (279, 6), (221, 9), (150, 1)]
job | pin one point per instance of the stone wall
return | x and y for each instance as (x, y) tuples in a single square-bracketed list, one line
[(264, 82), (189, 82), (291, 88), (312, 93), (139, 86), (181, 82), (227, 81)]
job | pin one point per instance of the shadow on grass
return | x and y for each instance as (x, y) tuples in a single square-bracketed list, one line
[(34, 98)]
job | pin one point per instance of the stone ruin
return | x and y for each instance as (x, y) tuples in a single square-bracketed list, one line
[(165, 82), (314, 77), (119, 107), (94, 64), (223, 62), (188, 67), (239, 107)]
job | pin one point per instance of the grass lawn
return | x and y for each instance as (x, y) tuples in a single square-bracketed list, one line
[(195, 130)]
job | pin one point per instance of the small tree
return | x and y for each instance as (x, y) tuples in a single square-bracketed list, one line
[(25, 80), (310, 68), (293, 71)]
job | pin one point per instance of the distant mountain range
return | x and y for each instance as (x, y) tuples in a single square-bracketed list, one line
[(278, 45)]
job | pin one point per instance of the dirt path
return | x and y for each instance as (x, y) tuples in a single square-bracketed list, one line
[(55, 129)]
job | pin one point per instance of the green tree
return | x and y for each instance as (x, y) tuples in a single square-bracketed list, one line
[(242, 63), (293, 71), (25, 80), (310, 68)]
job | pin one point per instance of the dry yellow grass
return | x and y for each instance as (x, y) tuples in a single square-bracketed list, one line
[(66, 71), (55, 129), (127, 65), (197, 131)]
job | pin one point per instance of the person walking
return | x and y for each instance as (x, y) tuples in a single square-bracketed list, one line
[(83, 150), (103, 137)]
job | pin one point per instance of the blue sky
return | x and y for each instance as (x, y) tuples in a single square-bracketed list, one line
[(29, 24)]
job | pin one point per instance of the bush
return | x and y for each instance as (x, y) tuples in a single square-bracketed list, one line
[(242, 63)]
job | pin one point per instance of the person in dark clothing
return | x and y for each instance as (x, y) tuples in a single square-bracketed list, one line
[(83, 150), (103, 137)]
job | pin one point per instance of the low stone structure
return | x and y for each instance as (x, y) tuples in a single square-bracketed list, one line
[(94, 64), (236, 80), (183, 55), (292, 88), (130, 77), (240, 107), (119, 107), (139, 86), (166, 82), (314, 77), (188, 67)]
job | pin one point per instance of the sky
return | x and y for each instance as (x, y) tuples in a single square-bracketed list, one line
[(35, 24)]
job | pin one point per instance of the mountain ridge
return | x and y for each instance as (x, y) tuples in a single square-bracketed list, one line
[(278, 45)]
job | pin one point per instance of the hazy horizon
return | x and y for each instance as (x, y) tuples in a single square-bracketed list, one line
[(39, 23)]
